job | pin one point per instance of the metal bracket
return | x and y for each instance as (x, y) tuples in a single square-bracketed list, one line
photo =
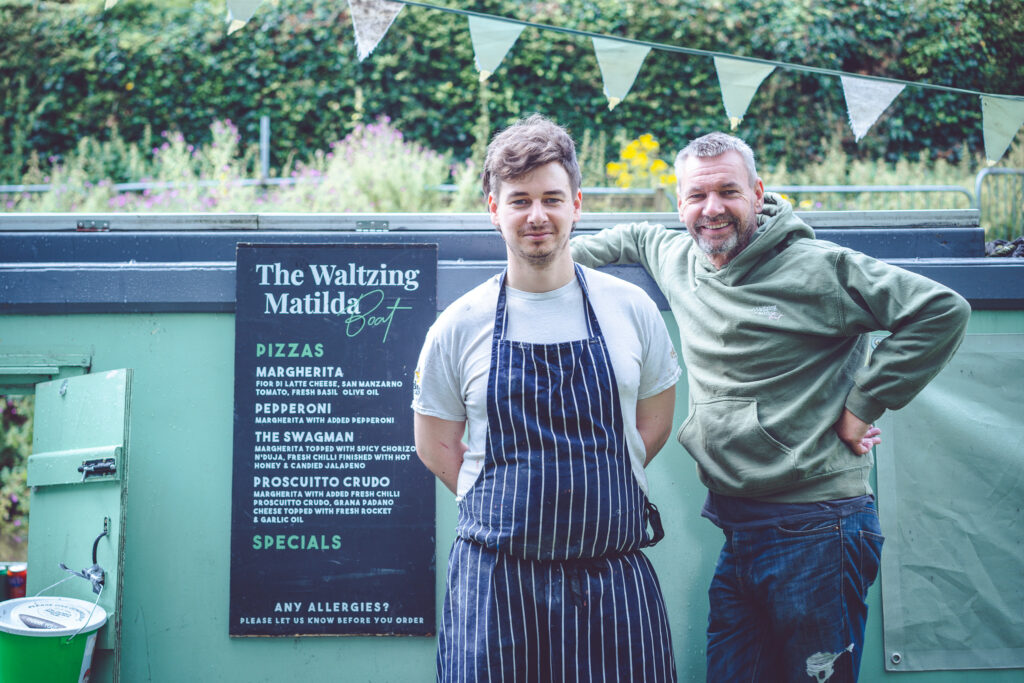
[(92, 226), (98, 468)]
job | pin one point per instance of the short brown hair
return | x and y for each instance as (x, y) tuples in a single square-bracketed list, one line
[(525, 145)]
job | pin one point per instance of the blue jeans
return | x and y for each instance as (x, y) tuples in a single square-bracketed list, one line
[(788, 602)]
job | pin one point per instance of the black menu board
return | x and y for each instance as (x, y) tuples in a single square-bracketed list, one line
[(332, 517)]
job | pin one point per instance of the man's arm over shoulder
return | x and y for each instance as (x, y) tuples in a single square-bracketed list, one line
[(927, 322), (625, 243)]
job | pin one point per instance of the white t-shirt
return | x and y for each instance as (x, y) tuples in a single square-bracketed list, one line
[(451, 376)]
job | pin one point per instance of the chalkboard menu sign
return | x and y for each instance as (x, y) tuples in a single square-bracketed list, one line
[(332, 519)]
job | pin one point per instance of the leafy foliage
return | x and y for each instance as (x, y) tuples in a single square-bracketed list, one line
[(15, 445), (149, 66)]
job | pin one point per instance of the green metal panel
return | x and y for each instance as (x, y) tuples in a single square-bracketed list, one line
[(177, 558), (78, 472)]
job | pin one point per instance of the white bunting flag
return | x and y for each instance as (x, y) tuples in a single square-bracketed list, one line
[(739, 80), (107, 4), (240, 12), (371, 19), (1000, 120), (866, 99), (620, 62), (492, 39)]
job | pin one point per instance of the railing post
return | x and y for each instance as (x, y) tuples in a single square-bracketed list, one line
[(264, 148)]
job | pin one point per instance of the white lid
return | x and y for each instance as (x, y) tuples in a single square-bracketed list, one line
[(50, 616)]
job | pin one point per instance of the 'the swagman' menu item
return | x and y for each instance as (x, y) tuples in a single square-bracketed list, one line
[(332, 518)]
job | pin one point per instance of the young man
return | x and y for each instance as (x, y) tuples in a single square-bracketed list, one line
[(773, 330), (565, 378)]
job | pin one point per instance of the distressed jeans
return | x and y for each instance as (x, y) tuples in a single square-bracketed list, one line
[(788, 602)]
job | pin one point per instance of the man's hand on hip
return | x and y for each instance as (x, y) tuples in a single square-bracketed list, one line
[(859, 436)]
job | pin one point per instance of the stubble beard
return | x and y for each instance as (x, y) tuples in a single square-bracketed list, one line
[(736, 242), (543, 259)]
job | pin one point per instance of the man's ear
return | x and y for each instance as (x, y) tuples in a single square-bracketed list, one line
[(758, 196), (492, 209)]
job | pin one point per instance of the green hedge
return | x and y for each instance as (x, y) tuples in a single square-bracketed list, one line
[(68, 71)]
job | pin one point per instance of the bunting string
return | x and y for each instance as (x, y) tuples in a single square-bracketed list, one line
[(620, 59), (707, 53)]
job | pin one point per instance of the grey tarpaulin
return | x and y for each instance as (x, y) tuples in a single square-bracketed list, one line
[(950, 495)]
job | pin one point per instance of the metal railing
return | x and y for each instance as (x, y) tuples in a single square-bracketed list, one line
[(855, 189), (1003, 210)]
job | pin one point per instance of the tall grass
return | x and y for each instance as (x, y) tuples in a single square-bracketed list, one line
[(836, 168), (372, 170), (375, 169), (1002, 201)]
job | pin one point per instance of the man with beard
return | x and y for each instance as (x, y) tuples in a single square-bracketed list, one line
[(773, 328), (565, 377)]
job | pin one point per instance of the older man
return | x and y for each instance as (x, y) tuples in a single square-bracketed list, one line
[(565, 377), (773, 328)]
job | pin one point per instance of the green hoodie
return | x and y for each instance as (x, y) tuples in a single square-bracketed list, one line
[(775, 347)]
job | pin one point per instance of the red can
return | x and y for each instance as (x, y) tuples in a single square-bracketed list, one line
[(17, 574)]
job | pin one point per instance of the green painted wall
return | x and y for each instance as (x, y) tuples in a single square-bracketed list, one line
[(179, 512)]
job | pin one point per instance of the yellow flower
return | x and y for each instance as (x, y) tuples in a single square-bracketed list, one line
[(639, 159), (668, 179), (130, 85), (632, 149), (648, 142), (614, 168), (806, 204), (624, 180), (658, 166)]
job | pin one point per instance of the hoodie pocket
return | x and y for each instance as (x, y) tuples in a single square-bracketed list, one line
[(734, 453)]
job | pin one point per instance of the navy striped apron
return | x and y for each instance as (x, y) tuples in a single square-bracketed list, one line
[(546, 581)]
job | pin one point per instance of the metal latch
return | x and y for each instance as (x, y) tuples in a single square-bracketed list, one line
[(95, 574), (97, 468), (92, 226)]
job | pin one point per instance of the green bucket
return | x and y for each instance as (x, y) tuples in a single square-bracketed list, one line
[(48, 639)]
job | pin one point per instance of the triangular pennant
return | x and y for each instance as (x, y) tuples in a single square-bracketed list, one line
[(866, 99), (107, 4), (620, 62), (739, 80), (1000, 119), (240, 12), (371, 19), (492, 39)]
